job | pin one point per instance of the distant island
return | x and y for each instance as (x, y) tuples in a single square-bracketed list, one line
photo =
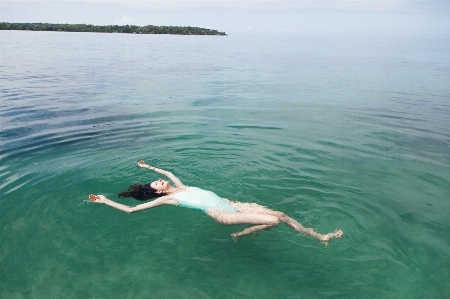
[(149, 29)]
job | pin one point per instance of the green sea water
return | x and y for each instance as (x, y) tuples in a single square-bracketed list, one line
[(337, 133)]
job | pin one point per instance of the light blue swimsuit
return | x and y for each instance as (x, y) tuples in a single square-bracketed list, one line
[(196, 198)]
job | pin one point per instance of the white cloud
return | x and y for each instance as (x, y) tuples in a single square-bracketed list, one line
[(250, 28), (365, 5), (284, 29), (259, 5), (271, 5), (125, 20)]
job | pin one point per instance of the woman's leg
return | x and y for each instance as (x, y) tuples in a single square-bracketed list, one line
[(253, 208), (298, 227), (258, 221), (249, 231), (228, 218)]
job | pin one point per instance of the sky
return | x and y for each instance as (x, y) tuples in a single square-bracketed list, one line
[(387, 18)]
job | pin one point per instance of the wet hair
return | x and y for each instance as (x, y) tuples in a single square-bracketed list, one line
[(140, 192)]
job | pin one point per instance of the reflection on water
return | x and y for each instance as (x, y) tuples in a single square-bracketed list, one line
[(349, 134)]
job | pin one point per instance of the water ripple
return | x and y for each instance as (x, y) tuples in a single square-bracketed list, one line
[(315, 135)]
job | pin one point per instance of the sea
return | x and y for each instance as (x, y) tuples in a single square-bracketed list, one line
[(348, 133)]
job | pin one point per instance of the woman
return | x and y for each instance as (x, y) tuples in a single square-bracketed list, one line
[(220, 209)]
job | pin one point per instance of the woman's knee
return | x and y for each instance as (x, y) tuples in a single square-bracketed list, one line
[(272, 220), (280, 215)]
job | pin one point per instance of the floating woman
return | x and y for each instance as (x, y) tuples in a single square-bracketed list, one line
[(220, 209)]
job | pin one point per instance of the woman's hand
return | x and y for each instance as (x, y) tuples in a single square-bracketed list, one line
[(143, 165), (97, 198), (168, 174)]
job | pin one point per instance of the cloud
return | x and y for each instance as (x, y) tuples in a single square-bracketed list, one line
[(239, 6), (370, 5), (125, 20), (284, 29), (268, 5)]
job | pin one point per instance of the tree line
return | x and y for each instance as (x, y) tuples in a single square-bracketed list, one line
[(149, 29)]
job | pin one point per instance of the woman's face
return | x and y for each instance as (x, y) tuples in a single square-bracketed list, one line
[(160, 185)]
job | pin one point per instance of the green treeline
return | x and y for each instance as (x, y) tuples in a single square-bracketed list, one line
[(149, 29)]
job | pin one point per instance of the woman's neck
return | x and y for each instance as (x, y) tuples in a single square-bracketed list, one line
[(173, 190)]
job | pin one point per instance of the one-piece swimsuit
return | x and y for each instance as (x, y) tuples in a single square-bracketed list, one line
[(196, 198)]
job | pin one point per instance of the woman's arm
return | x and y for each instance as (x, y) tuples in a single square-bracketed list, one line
[(168, 174), (148, 205), (163, 200), (103, 199)]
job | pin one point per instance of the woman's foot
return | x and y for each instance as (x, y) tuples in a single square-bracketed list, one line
[(236, 237), (326, 238)]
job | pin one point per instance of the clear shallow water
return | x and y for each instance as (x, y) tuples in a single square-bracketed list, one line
[(349, 133)]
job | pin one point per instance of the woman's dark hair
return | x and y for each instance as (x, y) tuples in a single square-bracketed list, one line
[(140, 192)]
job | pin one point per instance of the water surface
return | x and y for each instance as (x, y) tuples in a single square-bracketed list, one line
[(337, 133)]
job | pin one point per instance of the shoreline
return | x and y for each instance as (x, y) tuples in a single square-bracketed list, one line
[(129, 29)]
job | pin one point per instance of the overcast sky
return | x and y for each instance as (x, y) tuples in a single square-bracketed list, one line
[(396, 18)]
